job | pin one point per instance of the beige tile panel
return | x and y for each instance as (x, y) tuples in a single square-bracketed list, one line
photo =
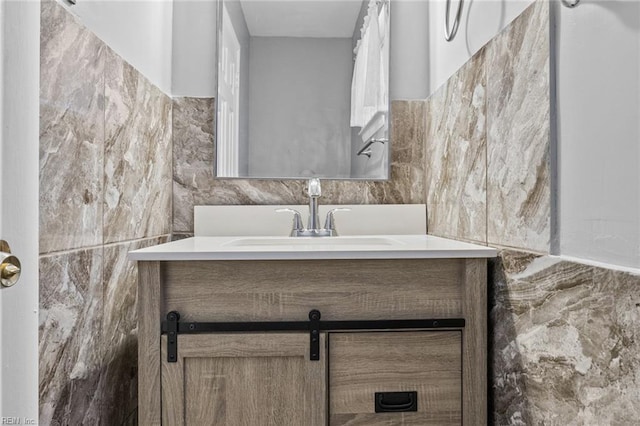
[(518, 133), (71, 132), (565, 342), (118, 385), (70, 349), (137, 162), (455, 153)]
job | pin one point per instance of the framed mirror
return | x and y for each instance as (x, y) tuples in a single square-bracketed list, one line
[(303, 89)]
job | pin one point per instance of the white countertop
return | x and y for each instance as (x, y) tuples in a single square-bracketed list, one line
[(279, 248)]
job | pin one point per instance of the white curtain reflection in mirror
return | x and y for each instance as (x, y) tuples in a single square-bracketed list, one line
[(369, 94)]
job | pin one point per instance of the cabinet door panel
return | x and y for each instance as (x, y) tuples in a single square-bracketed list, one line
[(243, 379), (362, 364)]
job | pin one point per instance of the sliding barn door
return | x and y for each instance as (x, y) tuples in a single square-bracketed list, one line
[(243, 379)]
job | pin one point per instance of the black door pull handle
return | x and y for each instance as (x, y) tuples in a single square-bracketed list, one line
[(396, 402)]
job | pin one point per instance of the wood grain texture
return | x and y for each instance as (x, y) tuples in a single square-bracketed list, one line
[(474, 352), (244, 379), (172, 385), (340, 289), (362, 364), (149, 343)]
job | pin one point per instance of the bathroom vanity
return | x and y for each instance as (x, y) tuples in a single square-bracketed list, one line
[(340, 331)]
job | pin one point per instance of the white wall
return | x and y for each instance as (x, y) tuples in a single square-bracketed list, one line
[(598, 91), (171, 42), (481, 21), (409, 44), (139, 30), (194, 48)]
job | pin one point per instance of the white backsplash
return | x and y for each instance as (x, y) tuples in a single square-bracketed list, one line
[(371, 219)]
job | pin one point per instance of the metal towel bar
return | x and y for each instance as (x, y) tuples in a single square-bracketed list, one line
[(450, 33), (364, 151), (571, 3)]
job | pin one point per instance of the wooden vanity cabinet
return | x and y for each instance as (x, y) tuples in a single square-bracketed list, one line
[(268, 378)]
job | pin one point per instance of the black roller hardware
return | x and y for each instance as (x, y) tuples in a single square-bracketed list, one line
[(172, 336), (314, 330)]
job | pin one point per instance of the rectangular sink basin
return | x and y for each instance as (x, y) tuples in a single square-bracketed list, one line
[(312, 241)]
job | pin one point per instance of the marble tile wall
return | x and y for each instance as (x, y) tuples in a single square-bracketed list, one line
[(564, 346), (455, 152), (70, 350), (119, 380), (519, 133), (71, 132), (488, 142), (105, 188), (137, 164), (193, 159)]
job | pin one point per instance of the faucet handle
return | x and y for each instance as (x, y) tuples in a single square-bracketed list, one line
[(297, 219), (330, 222)]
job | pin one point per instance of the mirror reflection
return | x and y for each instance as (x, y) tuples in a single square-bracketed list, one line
[(303, 89)]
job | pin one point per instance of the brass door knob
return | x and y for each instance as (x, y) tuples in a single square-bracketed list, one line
[(10, 268)]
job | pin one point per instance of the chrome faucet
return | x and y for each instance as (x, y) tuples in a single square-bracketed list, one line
[(313, 230), (315, 191)]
